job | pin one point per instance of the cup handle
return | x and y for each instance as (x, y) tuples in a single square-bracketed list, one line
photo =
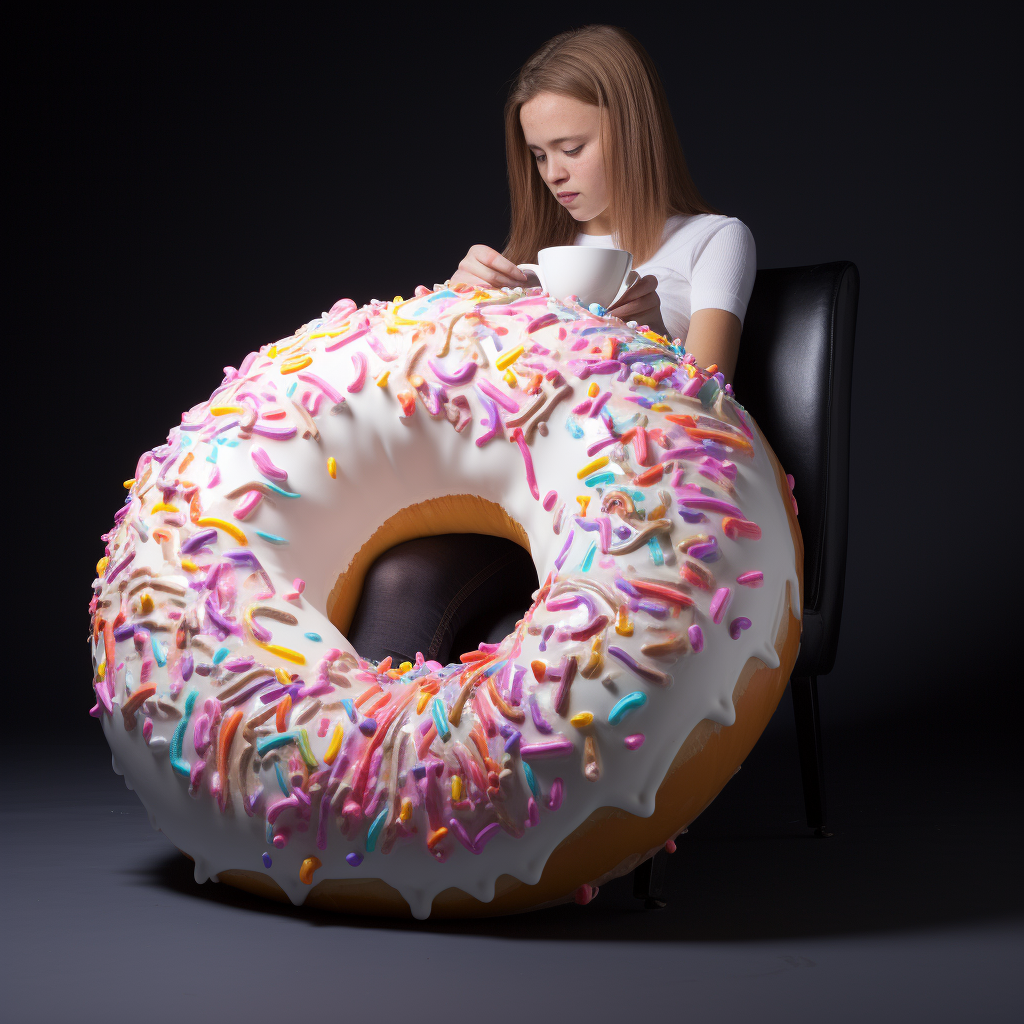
[(631, 279), (535, 270)]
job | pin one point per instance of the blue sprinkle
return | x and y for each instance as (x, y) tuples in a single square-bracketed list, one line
[(350, 708), (272, 742), (597, 309), (281, 779), (419, 771), (440, 715), (600, 478), (378, 824), (212, 457), (530, 780), (230, 444), (220, 655), (178, 763), (291, 390), (588, 558), (354, 859), (315, 637), (159, 652), (629, 703), (496, 667), (266, 860), (280, 490), (186, 441), (635, 495), (573, 427), (655, 548), (270, 832), (271, 537)]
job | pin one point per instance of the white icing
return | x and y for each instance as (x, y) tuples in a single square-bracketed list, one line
[(386, 462)]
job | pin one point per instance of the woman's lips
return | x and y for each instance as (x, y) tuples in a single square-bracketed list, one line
[(567, 197)]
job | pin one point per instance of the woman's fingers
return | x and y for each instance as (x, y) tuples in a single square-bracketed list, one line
[(490, 269), (641, 297)]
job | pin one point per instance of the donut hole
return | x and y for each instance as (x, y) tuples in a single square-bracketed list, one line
[(441, 577)]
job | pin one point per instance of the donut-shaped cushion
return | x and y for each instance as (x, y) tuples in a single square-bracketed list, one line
[(657, 646)]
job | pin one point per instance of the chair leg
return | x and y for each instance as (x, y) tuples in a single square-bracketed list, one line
[(649, 881), (808, 734)]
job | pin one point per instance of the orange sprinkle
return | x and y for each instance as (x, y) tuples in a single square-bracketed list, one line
[(377, 705), (282, 712), (436, 836), (227, 734), (650, 476), (371, 691), (539, 669), (471, 656)]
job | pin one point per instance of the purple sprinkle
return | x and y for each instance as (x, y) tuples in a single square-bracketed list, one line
[(696, 635), (354, 859), (368, 726), (124, 632), (650, 674), (198, 540), (557, 748), (266, 860), (737, 626)]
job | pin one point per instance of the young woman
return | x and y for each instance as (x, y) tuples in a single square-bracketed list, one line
[(593, 159)]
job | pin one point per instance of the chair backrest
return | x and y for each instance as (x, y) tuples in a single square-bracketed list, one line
[(795, 375)]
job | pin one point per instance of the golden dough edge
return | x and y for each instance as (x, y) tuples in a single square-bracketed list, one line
[(611, 841)]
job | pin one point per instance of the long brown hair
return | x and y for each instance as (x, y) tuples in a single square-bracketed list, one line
[(606, 66)]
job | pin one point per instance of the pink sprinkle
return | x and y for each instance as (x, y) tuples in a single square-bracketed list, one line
[(322, 730), (147, 729), (312, 378), (360, 364), (247, 505), (670, 846), (531, 479), (266, 466), (634, 742), (719, 603), (555, 796), (754, 578), (299, 585), (347, 338), (549, 500), (502, 399), (214, 477), (583, 407), (696, 635)]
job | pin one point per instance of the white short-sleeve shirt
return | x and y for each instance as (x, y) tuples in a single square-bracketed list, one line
[(706, 261)]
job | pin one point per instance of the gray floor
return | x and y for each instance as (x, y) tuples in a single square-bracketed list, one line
[(913, 911)]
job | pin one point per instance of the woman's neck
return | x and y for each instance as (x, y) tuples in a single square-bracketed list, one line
[(599, 225)]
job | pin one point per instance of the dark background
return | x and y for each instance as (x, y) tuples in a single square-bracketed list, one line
[(192, 184)]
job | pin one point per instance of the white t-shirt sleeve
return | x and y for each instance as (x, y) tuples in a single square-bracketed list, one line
[(723, 270)]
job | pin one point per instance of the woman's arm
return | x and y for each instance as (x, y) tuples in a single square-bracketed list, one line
[(714, 337)]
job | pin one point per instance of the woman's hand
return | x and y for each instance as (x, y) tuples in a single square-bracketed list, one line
[(640, 302), (487, 268)]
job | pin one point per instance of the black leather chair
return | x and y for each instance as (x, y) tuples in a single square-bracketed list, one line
[(795, 375)]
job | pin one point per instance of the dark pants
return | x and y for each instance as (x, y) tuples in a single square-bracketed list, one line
[(443, 596)]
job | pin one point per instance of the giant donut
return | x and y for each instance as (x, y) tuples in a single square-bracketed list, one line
[(658, 644)]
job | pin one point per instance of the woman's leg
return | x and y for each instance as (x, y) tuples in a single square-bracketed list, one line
[(442, 595)]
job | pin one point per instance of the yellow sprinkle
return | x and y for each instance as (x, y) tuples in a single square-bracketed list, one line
[(128, 484), (397, 299), (146, 604), (584, 500), (382, 380), (406, 666), (661, 407), (582, 719), (593, 390), (510, 379), (272, 352), (406, 812), (188, 565), (285, 652), (622, 624), (690, 370), (309, 865), (101, 565), (659, 338), (639, 378), (224, 410), (282, 677), (509, 357), (332, 467), (101, 670), (457, 788), (591, 467), (227, 527), (334, 746), (296, 363), (162, 506)]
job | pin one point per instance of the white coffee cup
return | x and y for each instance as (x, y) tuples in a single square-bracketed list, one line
[(591, 273)]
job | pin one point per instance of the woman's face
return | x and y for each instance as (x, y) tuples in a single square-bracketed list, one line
[(563, 134)]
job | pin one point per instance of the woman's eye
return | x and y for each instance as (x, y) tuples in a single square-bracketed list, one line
[(573, 152)]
